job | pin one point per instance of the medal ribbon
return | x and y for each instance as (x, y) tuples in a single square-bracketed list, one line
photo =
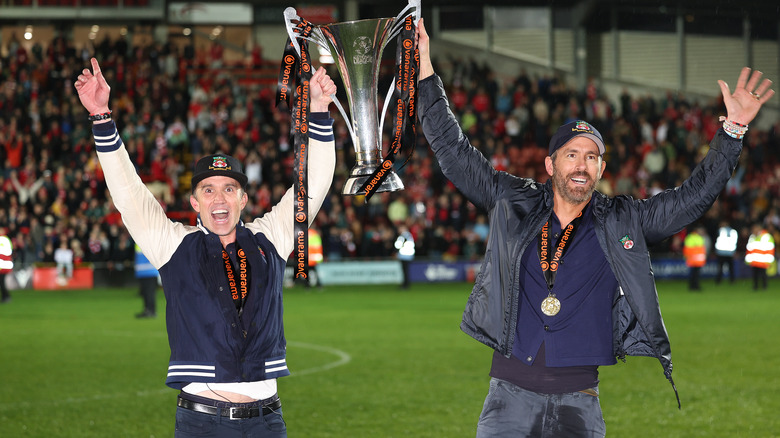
[(296, 70), (550, 266), (407, 62), (239, 290)]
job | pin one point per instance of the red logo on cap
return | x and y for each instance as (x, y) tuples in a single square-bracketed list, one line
[(583, 126)]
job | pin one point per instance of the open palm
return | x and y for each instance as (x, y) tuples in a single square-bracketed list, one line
[(748, 97)]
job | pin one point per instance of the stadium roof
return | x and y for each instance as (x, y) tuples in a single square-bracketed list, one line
[(764, 15)]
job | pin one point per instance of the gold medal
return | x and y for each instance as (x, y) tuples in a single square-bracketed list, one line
[(551, 305)]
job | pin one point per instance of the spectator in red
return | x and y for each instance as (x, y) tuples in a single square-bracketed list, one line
[(480, 102)]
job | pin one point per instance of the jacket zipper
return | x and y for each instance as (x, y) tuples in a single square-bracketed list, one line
[(510, 338)]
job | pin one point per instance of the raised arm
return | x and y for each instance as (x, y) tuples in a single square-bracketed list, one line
[(424, 45), (672, 210), (460, 162), (142, 215), (277, 224)]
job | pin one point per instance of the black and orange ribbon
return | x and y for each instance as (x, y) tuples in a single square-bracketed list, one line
[(294, 89), (238, 289), (549, 263), (407, 65)]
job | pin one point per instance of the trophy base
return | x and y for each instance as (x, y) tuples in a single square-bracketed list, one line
[(391, 183)]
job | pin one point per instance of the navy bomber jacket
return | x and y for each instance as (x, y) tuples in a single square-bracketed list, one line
[(518, 208), (209, 341)]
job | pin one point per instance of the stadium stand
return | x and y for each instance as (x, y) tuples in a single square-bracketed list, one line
[(173, 106)]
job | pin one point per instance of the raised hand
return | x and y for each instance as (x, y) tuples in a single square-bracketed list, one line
[(424, 44), (743, 105), (93, 89), (322, 88)]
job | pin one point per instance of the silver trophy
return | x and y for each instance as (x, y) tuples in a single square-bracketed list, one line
[(357, 48)]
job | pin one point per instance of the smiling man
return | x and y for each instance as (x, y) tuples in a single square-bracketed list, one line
[(218, 196), (222, 278), (575, 165), (566, 284)]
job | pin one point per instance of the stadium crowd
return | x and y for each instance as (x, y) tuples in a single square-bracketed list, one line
[(174, 105)]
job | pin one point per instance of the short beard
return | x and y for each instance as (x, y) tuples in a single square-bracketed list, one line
[(577, 195)]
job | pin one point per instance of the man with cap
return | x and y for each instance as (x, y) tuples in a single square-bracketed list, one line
[(222, 279), (566, 284)]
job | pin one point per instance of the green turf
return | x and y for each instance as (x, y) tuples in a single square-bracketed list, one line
[(378, 362)]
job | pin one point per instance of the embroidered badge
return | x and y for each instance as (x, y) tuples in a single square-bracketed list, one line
[(627, 242), (582, 126), (220, 163)]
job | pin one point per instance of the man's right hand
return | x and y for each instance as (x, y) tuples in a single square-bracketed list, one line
[(93, 89)]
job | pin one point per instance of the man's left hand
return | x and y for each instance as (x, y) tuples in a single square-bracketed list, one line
[(748, 97)]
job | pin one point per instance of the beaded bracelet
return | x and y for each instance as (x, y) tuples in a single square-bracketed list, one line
[(734, 129), (102, 116)]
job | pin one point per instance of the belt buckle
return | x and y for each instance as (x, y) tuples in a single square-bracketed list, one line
[(234, 412)]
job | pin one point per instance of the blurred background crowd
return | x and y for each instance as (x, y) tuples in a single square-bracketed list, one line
[(173, 106)]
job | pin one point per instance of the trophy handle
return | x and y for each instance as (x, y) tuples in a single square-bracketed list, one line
[(344, 116), (290, 15), (413, 9), (290, 19), (384, 107)]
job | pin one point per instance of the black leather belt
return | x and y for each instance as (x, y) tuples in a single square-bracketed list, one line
[(232, 412)]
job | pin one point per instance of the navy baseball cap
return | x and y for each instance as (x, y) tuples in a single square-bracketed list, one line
[(218, 165), (577, 128)]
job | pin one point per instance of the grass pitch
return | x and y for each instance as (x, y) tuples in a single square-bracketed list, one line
[(375, 361)]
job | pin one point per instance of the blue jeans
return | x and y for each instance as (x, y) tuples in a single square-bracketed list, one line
[(511, 411), (191, 424)]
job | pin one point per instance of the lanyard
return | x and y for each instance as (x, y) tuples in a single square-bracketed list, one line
[(243, 282), (550, 266)]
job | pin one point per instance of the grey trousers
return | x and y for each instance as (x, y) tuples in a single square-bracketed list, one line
[(511, 411)]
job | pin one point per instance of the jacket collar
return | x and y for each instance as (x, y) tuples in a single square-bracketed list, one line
[(203, 228)]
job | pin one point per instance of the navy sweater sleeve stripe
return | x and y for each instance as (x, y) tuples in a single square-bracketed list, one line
[(106, 137), (321, 127)]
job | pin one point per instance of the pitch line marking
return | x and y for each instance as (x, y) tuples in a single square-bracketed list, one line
[(343, 359)]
